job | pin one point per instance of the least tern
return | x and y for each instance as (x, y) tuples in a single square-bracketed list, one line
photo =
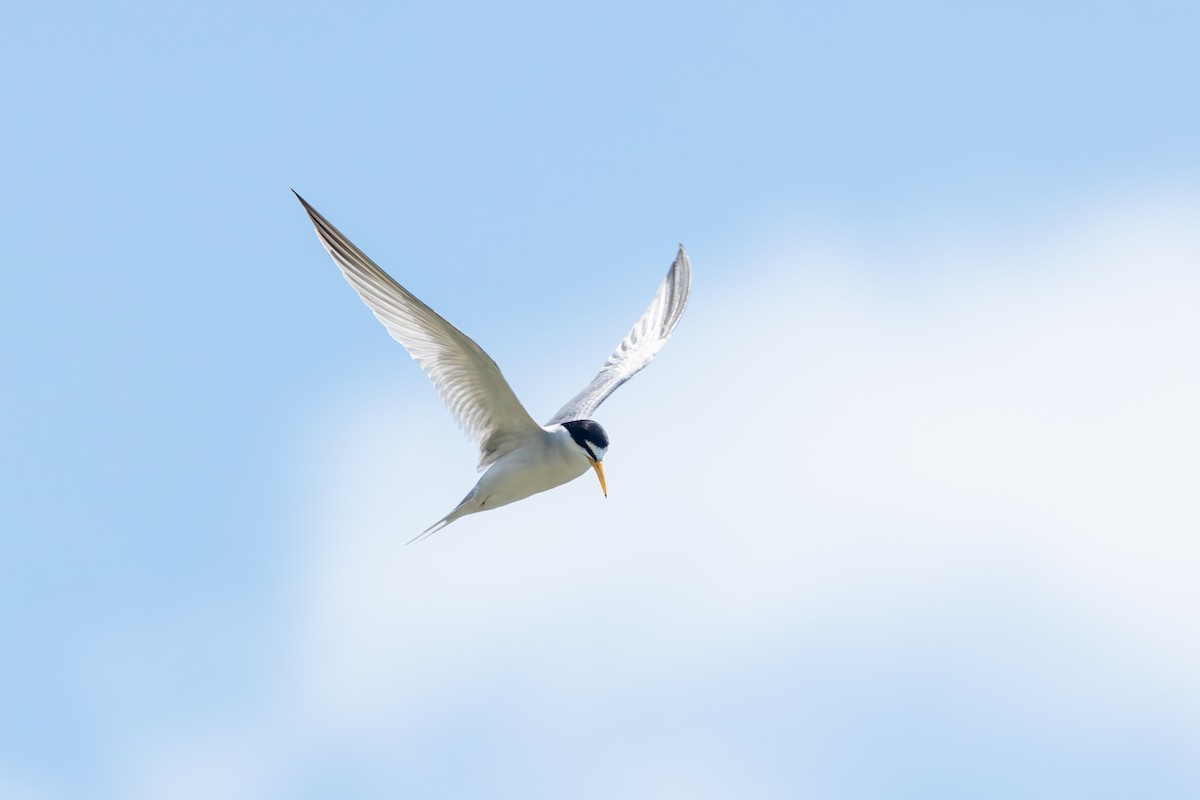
[(521, 457)]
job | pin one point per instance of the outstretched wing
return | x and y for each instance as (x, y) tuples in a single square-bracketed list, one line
[(468, 380), (639, 346)]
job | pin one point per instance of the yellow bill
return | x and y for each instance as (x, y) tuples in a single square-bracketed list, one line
[(596, 465)]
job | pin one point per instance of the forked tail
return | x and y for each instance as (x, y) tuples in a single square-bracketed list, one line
[(431, 530), (460, 510)]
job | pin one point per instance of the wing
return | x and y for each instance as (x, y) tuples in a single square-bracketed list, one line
[(639, 346), (468, 380)]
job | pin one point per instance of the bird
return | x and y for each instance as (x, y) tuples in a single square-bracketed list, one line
[(521, 458)]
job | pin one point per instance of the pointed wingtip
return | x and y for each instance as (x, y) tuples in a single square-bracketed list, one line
[(681, 259), (313, 214)]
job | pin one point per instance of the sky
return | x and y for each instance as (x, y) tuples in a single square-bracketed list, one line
[(906, 508)]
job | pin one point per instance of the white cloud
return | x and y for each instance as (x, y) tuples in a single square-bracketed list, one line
[(834, 456)]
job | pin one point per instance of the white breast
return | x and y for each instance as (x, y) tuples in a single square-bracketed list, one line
[(549, 461)]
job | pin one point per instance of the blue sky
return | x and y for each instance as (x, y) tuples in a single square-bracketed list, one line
[(931, 537)]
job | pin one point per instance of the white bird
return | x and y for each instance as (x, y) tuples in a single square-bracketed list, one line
[(521, 457)]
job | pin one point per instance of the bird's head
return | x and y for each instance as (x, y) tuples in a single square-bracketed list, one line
[(592, 442)]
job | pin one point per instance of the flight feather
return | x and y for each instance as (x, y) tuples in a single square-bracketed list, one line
[(470, 383), (639, 346)]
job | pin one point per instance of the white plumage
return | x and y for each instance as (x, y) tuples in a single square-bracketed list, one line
[(521, 457)]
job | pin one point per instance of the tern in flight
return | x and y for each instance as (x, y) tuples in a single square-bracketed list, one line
[(521, 457)]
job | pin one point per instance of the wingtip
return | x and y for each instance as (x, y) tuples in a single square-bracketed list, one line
[(682, 259), (308, 209)]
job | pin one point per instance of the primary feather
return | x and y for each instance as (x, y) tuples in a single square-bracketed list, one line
[(639, 346), (467, 378)]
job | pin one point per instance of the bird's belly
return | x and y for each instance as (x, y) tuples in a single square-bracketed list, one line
[(519, 475)]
